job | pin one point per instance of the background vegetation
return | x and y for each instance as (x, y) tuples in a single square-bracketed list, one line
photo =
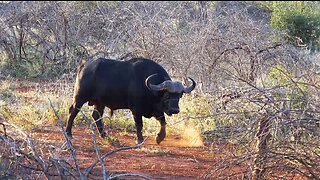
[(256, 65)]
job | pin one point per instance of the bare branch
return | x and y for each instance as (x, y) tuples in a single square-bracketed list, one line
[(69, 144)]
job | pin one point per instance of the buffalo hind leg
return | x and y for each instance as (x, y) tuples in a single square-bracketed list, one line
[(139, 126), (162, 134), (97, 114), (73, 111)]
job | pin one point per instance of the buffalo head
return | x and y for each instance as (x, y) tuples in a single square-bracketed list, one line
[(171, 92)]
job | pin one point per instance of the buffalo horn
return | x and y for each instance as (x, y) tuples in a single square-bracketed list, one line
[(191, 87), (152, 86)]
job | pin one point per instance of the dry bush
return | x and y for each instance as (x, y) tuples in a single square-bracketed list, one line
[(23, 157), (263, 92)]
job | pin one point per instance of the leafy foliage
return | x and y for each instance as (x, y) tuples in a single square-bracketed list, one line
[(301, 20)]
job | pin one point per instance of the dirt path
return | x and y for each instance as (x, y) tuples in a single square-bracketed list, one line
[(165, 161)]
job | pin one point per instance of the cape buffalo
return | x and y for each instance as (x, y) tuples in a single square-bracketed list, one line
[(138, 84)]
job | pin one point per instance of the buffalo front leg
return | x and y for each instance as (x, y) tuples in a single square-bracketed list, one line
[(97, 114), (162, 134), (139, 126), (73, 111)]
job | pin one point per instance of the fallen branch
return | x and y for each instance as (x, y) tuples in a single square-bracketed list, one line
[(128, 174)]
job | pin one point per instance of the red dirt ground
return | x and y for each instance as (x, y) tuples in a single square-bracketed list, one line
[(169, 160), (164, 161)]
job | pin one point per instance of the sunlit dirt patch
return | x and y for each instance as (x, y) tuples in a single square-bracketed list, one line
[(164, 161)]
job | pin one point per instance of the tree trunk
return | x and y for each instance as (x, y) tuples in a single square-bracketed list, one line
[(261, 156)]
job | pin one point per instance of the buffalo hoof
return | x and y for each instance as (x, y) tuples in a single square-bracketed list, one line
[(103, 134), (139, 141), (160, 138), (69, 135)]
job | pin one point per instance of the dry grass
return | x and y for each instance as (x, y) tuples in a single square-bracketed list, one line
[(26, 104)]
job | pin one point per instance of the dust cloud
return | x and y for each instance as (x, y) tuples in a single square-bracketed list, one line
[(187, 136)]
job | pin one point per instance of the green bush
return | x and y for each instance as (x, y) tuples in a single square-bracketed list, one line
[(300, 19)]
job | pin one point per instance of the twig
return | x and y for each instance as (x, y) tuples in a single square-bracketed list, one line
[(69, 144), (112, 152), (128, 174), (95, 145), (61, 168), (35, 156), (4, 129)]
